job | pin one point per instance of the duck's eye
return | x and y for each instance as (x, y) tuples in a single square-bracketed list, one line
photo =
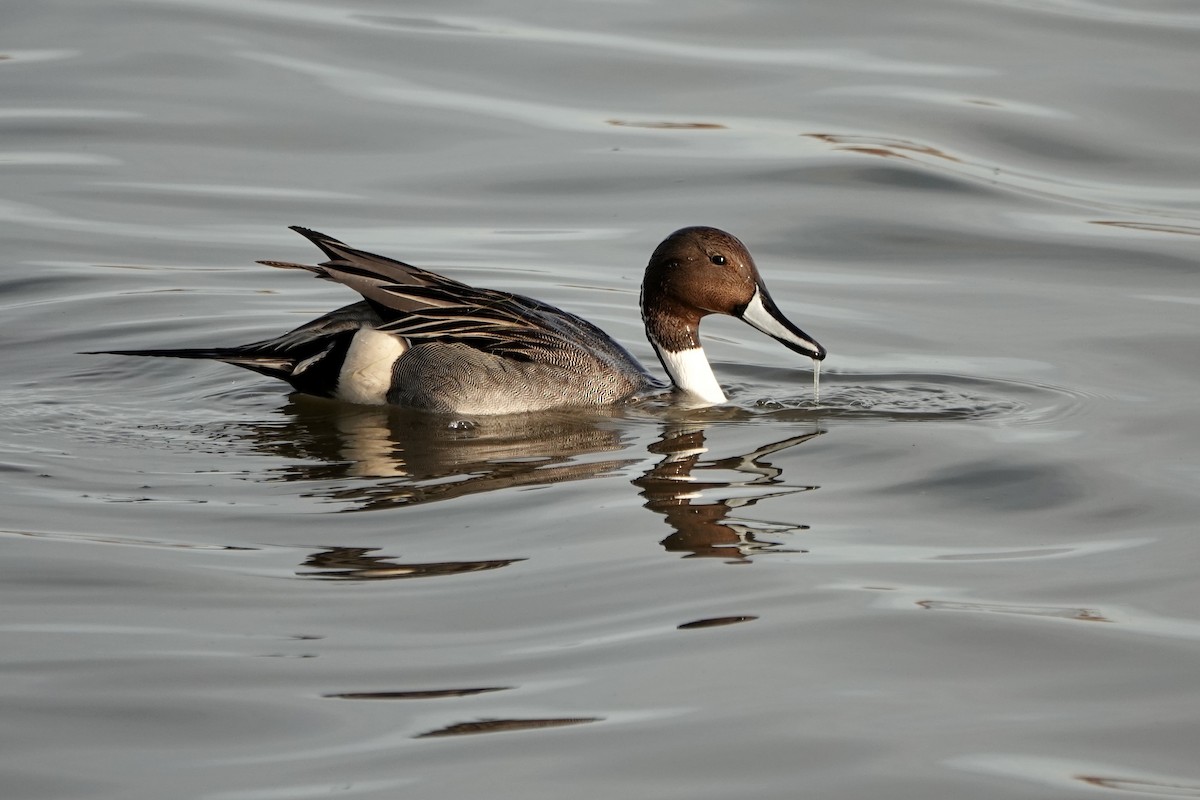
[(718, 260)]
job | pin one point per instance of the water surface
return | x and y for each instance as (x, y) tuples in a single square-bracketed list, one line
[(968, 570)]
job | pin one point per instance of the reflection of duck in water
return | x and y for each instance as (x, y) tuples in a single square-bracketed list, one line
[(701, 524), (422, 458), (362, 564), (697, 510), (420, 340), (398, 457)]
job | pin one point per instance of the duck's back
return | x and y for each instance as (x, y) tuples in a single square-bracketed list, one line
[(554, 359)]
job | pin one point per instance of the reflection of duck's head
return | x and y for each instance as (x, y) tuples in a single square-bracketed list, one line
[(699, 508), (699, 271)]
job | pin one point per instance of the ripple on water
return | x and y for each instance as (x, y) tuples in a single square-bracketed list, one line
[(918, 397)]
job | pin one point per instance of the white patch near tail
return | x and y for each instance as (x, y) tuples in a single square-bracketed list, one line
[(366, 374), (690, 371)]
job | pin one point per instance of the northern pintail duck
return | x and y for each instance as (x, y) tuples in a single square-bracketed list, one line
[(421, 340)]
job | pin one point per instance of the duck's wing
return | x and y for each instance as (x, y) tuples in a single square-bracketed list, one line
[(370, 275), (498, 323), (422, 305)]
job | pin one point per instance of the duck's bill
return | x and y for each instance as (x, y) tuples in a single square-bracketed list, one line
[(762, 313)]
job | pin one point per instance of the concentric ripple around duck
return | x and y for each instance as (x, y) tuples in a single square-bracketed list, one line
[(930, 397)]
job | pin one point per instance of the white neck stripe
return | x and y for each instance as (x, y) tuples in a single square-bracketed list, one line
[(690, 371)]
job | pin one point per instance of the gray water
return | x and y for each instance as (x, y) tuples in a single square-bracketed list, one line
[(969, 570)]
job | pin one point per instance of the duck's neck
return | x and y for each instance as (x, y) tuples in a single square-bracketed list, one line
[(674, 331), (690, 372)]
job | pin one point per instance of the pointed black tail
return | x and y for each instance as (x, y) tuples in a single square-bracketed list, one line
[(273, 364)]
